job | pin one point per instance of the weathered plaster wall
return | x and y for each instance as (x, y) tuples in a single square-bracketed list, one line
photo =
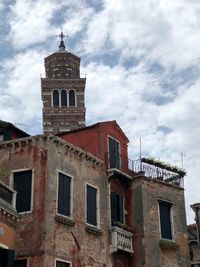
[(148, 253), (75, 243)]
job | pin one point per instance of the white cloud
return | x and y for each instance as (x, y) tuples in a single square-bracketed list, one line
[(30, 22), (144, 33), (161, 31), (21, 98)]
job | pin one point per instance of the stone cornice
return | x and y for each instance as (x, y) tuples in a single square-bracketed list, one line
[(17, 144), (76, 150)]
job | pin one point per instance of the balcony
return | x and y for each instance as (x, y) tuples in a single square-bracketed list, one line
[(120, 240), (148, 167), (7, 196)]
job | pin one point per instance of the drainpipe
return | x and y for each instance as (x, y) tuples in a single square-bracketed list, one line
[(198, 224), (196, 209)]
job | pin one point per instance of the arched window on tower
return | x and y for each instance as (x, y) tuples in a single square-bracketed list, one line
[(63, 98), (72, 98), (55, 98)]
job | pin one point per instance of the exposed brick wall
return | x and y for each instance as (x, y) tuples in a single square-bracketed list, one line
[(146, 223)]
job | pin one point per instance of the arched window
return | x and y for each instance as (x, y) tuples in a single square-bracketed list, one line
[(71, 98), (63, 98), (55, 98)]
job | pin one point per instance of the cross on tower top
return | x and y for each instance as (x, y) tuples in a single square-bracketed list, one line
[(62, 44)]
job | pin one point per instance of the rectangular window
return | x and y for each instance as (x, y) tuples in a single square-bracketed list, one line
[(165, 219), (117, 208), (6, 257), (23, 186), (20, 263), (114, 156), (91, 208), (64, 194), (62, 264)]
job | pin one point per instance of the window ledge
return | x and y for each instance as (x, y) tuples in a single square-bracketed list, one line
[(93, 230), (168, 244), (64, 220)]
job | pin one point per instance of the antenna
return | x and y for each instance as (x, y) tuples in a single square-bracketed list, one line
[(182, 156), (140, 156)]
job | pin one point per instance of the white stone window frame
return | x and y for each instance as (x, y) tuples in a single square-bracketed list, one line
[(63, 261), (71, 194), (75, 98), (59, 97), (27, 261), (59, 92), (32, 187), (97, 205), (171, 218)]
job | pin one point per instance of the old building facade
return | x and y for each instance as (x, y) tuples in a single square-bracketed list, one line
[(102, 209), (81, 201)]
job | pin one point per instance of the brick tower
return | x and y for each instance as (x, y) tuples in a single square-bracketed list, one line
[(63, 92)]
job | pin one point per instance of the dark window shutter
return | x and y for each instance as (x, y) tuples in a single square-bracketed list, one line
[(91, 205), (114, 159), (64, 194), (55, 98), (113, 208), (117, 208), (165, 220), (20, 263), (121, 209), (10, 258), (23, 184), (6, 257), (62, 264), (71, 98), (63, 98)]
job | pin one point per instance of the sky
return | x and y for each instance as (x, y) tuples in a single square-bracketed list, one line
[(141, 60)]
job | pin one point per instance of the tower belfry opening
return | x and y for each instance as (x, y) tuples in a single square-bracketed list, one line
[(63, 92)]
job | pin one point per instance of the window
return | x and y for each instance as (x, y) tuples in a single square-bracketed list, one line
[(71, 98), (64, 195), (117, 208), (20, 263), (165, 219), (62, 264), (6, 257), (114, 158), (63, 98), (23, 186), (91, 205), (55, 98)]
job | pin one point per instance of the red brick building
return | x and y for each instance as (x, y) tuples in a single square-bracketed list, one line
[(82, 202), (100, 209)]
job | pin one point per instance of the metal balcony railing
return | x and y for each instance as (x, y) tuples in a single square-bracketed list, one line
[(121, 240), (159, 172)]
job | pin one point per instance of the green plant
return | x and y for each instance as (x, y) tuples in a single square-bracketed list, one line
[(161, 164), (3, 173), (124, 226), (167, 244)]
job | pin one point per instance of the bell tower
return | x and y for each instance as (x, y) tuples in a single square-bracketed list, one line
[(63, 92)]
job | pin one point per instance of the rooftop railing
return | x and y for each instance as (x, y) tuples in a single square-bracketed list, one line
[(150, 168)]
